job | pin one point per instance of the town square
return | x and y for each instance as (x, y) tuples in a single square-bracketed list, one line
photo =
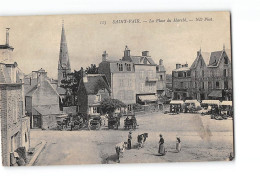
[(71, 97)]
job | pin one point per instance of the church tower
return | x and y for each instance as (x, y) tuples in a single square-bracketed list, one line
[(64, 62)]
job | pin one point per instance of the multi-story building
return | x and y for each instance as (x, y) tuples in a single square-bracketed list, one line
[(209, 77), (15, 131), (41, 101), (121, 78), (161, 76), (145, 76)]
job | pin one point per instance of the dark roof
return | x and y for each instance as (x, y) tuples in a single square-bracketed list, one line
[(214, 58), (6, 47), (94, 82)]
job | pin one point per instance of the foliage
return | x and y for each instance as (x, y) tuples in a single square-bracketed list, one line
[(109, 105), (93, 69), (71, 85)]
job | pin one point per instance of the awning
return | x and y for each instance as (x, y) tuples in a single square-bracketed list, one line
[(210, 102), (216, 93), (226, 103), (150, 98), (193, 101), (176, 102)]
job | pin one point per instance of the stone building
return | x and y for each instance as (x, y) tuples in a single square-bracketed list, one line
[(209, 77), (15, 131), (145, 76), (93, 88), (42, 101), (161, 76), (121, 78)]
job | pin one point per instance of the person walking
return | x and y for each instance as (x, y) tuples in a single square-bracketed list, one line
[(161, 146), (178, 144), (129, 140)]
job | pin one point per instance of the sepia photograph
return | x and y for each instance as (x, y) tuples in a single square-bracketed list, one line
[(116, 88)]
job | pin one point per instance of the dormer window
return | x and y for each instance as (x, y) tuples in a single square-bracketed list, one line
[(225, 60), (120, 67), (128, 67)]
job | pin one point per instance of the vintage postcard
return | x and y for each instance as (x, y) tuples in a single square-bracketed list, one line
[(116, 88)]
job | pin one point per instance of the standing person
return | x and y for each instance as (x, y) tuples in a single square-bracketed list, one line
[(129, 140), (161, 146), (178, 144)]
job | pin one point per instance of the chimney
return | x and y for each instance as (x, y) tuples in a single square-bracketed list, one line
[(178, 66), (41, 75), (160, 62), (126, 52), (145, 53), (104, 56), (186, 65), (7, 36)]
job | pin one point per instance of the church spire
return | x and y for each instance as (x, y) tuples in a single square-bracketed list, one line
[(64, 62)]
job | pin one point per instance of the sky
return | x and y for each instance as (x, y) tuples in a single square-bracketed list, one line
[(36, 39)]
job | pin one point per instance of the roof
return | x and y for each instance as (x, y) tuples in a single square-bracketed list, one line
[(31, 91), (182, 69), (216, 93), (94, 82), (140, 59), (47, 109), (226, 103), (215, 57), (210, 102), (176, 102)]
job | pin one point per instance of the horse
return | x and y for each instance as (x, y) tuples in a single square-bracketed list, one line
[(141, 139)]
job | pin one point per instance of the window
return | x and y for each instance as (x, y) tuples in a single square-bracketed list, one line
[(64, 74), (25, 137), (120, 67), (161, 77), (94, 109), (150, 74), (225, 73), (142, 87), (150, 87), (129, 107), (225, 60), (225, 85), (209, 85), (141, 74), (129, 82), (128, 67), (181, 85), (217, 84), (98, 98), (121, 82), (188, 74), (202, 73)]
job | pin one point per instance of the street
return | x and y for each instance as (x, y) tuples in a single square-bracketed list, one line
[(202, 139)]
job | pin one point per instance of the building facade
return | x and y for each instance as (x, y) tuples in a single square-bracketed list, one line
[(42, 102), (145, 76), (15, 132), (161, 76), (93, 88), (209, 77), (121, 78)]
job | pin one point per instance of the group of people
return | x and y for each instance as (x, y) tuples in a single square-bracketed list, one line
[(162, 150)]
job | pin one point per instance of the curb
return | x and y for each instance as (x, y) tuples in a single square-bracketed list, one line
[(36, 155)]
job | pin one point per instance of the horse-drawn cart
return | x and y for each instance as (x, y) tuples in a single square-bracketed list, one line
[(130, 122)]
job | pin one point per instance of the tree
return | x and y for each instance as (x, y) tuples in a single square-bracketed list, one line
[(93, 69), (109, 105), (71, 85)]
